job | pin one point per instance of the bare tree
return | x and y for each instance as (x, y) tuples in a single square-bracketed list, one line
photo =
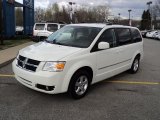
[(64, 15), (56, 11), (93, 14), (157, 5), (39, 14), (83, 14), (102, 13), (49, 14), (156, 13)]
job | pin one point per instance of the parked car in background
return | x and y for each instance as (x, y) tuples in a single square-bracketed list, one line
[(157, 36), (42, 30), (151, 34), (144, 33), (19, 30), (77, 56)]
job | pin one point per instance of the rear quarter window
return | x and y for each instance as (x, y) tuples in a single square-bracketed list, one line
[(136, 35), (39, 26)]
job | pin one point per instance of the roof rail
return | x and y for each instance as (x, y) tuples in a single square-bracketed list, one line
[(109, 23)]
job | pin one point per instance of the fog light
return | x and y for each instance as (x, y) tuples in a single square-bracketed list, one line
[(44, 87)]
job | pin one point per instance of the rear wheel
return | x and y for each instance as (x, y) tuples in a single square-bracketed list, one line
[(79, 84), (135, 65)]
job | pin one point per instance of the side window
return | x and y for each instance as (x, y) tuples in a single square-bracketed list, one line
[(124, 36), (136, 36), (39, 26), (108, 36), (52, 27)]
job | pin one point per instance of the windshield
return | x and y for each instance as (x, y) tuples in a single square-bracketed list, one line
[(74, 36)]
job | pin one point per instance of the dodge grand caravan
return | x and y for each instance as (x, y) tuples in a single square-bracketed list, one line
[(77, 56)]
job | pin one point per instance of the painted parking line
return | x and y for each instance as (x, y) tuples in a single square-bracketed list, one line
[(4, 75), (118, 82), (134, 82)]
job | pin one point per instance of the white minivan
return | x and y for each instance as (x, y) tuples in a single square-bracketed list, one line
[(78, 55), (43, 30)]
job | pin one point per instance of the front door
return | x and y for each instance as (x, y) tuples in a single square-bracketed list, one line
[(106, 59)]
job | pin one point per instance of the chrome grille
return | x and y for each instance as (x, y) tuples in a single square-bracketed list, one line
[(27, 64)]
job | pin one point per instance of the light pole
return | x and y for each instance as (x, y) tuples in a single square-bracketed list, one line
[(130, 22), (149, 7), (119, 14), (71, 11)]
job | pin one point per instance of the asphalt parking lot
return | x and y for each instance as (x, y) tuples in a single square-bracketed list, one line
[(123, 97)]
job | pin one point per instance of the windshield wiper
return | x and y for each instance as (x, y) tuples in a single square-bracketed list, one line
[(48, 41), (53, 42)]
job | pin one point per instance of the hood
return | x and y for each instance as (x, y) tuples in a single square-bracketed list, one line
[(44, 51)]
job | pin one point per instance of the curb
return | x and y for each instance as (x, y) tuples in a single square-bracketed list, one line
[(152, 39), (6, 63), (15, 48)]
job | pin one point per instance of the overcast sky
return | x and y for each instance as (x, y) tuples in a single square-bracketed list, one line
[(117, 6)]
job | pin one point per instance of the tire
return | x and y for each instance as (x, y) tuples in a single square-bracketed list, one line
[(135, 65), (79, 84)]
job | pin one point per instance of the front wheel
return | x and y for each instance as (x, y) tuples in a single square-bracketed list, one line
[(135, 65), (79, 84)]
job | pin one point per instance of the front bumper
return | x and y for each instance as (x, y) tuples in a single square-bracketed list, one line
[(42, 81)]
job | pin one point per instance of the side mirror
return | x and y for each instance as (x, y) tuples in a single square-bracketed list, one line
[(103, 45)]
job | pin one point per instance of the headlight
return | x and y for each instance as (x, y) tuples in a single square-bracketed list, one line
[(54, 66)]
